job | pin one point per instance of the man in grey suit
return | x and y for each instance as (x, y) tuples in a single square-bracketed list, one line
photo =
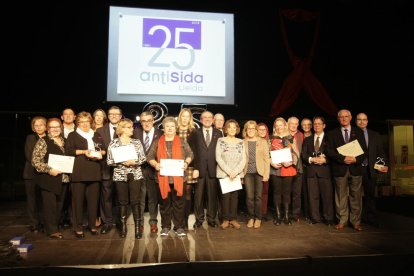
[(370, 174), (347, 171), (148, 135)]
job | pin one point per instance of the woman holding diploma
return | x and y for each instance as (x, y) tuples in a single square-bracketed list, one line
[(185, 127), (281, 174), (170, 146), (85, 145), (231, 160), (50, 180), (127, 175)]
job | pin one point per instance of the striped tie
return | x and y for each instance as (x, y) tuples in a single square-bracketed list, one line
[(146, 142)]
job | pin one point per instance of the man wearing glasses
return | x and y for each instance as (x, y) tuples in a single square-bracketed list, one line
[(108, 133), (347, 171), (148, 135)]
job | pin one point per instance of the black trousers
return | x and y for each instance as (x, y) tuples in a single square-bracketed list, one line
[(209, 185), (172, 209)]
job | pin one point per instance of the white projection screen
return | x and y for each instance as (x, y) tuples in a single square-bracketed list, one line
[(170, 56)]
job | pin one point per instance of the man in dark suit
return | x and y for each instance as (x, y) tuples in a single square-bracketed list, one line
[(108, 133), (318, 174), (369, 180), (148, 135), (347, 171), (204, 141)]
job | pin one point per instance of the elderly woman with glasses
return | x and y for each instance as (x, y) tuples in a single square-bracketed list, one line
[(86, 146)]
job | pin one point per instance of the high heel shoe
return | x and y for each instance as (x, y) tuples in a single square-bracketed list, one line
[(79, 235), (93, 232)]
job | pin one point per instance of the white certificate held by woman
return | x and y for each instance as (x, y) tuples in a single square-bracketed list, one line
[(172, 167), (229, 185), (124, 153), (280, 156), (61, 163)]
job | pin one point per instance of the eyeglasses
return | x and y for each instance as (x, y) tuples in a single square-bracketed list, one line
[(114, 114), (146, 121), (54, 127), (343, 117)]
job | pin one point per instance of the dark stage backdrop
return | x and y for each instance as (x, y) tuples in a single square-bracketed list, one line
[(56, 53)]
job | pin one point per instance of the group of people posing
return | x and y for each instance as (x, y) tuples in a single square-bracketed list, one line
[(316, 184)]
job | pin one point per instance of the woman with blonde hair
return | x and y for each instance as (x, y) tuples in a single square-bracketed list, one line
[(186, 125), (127, 176), (282, 173), (256, 172), (33, 198)]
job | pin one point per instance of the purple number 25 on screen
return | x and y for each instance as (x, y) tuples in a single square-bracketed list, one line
[(157, 32)]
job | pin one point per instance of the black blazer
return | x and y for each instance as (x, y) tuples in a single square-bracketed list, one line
[(139, 134), (106, 137), (335, 140), (308, 149), (29, 171), (375, 149), (204, 157), (84, 169), (44, 180)]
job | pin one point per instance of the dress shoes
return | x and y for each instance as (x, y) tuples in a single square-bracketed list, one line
[(312, 221), (358, 227), (106, 228), (154, 228), (339, 226), (93, 232), (197, 224), (56, 236), (212, 224)]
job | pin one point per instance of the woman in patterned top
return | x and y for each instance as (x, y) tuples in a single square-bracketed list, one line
[(231, 160), (127, 175), (282, 173), (51, 181), (185, 127)]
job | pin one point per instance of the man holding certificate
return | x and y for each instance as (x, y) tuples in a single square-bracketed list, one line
[(127, 155), (170, 156), (347, 170)]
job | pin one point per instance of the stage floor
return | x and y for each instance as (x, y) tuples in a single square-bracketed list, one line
[(317, 246)]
